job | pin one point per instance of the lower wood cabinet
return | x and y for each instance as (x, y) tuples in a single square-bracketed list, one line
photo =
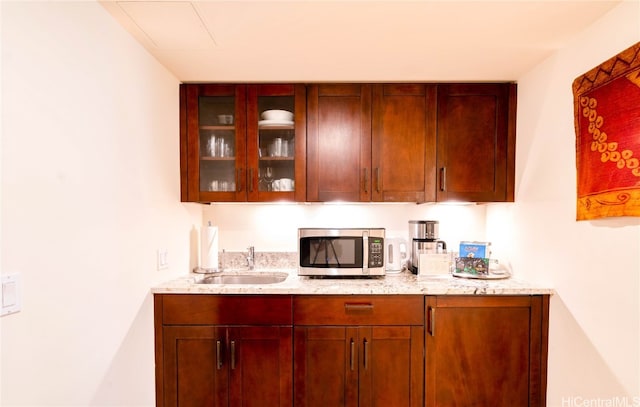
[(227, 366), (223, 350), (486, 351), (358, 351), (351, 350)]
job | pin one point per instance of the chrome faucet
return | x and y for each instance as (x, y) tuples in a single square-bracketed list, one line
[(251, 257)]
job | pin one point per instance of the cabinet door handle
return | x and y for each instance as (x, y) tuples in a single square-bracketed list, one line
[(365, 345), (377, 179), (432, 321), (250, 180), (239, 180), (366, 180), (352, 355), (443, 179), (219, 354), (233, 355)]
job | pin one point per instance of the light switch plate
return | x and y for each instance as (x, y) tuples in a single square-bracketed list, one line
[(11, 293), (163, 259)]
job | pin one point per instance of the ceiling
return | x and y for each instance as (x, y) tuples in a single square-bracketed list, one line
[(297, 41)]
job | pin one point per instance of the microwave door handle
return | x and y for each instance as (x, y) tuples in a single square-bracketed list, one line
[(365, 253)]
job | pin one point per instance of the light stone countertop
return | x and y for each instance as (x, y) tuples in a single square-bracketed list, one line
[(402, 283)]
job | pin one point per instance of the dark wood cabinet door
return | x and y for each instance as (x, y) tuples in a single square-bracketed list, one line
[(212, 149), (486, 351), (404, 143), (195, 373), (228, 366), (339, 142), (223, 350), (265, 166), (260, 366), (391, 366), (325, 366), (371, 366), (476, 142)]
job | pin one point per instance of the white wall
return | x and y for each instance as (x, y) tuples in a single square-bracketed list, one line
[(274, 227), (1, 107), (594, 265), (90, 190)]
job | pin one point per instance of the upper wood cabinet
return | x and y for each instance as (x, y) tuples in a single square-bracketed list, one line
[(339, 142), (403, 143), (476, 142), (276, 151), (371, 142), (394, 142), (227, 149), (212, 151)]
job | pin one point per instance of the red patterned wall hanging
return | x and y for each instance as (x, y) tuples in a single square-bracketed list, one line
[(607, 123)]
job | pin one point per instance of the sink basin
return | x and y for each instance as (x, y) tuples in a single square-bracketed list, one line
[(244, 278)]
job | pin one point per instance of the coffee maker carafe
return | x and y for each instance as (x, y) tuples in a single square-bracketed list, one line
[(424, 239)]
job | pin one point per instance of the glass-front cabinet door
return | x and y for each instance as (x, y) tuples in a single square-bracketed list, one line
[(213, 143), (242, 143), (276, 124)]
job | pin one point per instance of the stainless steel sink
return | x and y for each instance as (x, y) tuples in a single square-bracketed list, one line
[(244, 278)]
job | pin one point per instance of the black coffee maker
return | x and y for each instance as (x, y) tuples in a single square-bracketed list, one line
[(424, 239)]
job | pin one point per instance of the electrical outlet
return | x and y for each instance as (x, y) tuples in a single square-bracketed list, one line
[(163, 259)]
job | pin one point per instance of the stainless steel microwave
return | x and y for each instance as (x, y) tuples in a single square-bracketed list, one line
[(341, 252)]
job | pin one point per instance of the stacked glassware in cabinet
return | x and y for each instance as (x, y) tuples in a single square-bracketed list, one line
[(276, 144), (217, 144)]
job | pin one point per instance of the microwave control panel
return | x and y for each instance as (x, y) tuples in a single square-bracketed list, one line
[(376, 252)]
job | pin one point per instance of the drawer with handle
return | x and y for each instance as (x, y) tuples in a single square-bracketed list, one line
[(358, 310)]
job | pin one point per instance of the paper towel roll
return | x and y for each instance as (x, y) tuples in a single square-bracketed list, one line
[(209, 248)]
